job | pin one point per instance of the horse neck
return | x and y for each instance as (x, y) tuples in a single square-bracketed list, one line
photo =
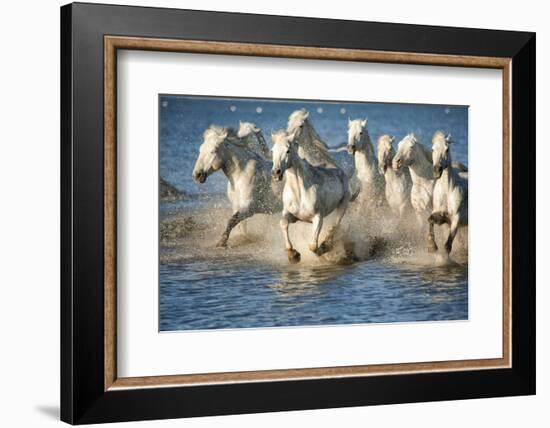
[(421, 168), (235, 160), (449, 175), (298, 168), (390, 175), (365, 160)]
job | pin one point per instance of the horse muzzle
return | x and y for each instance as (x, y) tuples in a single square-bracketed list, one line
[(438, 171), (352, 149), (200, 177), (397, 164), (277, 175)]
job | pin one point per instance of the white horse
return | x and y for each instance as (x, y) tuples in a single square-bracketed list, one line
[(412, 154), (310, 193), (254, 138), (398, 183), (450, 197), (249, 185), (310, 145), (361, 148)]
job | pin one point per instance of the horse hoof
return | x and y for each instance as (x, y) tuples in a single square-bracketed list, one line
[(293, 256), (325, 247), (432, 247), (221, 244)]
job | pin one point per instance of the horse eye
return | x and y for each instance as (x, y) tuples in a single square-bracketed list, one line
[(288, 151)]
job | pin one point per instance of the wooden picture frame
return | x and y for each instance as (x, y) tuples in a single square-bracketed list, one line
[(91, 390)]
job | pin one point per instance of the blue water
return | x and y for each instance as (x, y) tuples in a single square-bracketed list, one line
[(251, 284)]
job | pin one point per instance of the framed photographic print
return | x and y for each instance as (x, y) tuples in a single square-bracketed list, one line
[(265, 213)]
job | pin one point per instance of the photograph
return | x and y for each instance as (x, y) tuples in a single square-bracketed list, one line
[(304, 213), (263, 211)]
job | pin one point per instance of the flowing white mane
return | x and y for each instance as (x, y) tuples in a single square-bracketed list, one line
[(413, 141), (440, 136), (219, 134), (312, 147), (246, 129), (278, 135), (252, 136)]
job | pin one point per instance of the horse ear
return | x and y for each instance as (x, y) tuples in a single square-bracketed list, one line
[(306, 115), (392, 138), (364, 122), (448, 138)]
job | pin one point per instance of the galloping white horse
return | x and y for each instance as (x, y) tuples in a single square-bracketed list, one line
[(398, 183), (254, 138), (310, 193), (310, 146), (412, 154), (249, 185), (361, 148), (450, 197)]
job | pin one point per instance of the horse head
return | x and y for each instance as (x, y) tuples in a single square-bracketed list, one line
[(297, 123), (246, 129), (441, 156), (356, 133), (385, 152), (212, 154), (283, 147), (406, 152)]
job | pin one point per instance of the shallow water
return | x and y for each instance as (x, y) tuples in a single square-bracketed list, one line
[(251, 284), (205, 295)]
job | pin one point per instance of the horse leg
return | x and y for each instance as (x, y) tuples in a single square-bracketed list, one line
[(438, 218), (317, 225), (243, 226), (453, 228), (233, 221), (432, 246), (293, 255), (328, 243)]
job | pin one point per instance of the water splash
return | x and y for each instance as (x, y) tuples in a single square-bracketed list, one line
[(372, 233)]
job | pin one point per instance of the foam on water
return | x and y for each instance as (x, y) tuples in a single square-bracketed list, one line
[(391, 259)]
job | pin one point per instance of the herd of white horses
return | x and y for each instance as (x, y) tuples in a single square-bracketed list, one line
[(299, 177)]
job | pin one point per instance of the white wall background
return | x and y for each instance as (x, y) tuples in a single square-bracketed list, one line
[(29, 214)]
